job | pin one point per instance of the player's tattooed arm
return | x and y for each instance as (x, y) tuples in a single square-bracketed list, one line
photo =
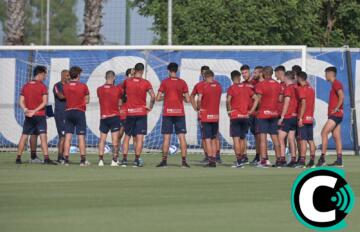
[(340, 94), (152, 99), (228, 104), (302, 111), (186, 97), (160, 96), (257, 98)]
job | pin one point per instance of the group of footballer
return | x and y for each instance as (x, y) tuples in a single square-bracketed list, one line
[(282, 108)]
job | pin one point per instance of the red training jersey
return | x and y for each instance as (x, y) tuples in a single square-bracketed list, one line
[(173, 90), (334, 99), (291, 91), (33, 93), (308, 93), (241, 100), (75, 93), (195, 92), (281, 103), (109, 97), (270, 90), (210, 101), (136, 89)]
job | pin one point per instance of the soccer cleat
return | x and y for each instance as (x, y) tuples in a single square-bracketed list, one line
[(101, 163), (60, 161), (311, 164), (291, 164), (237, 164), (123, 163), (185, 165), (36, 160), (260, 165), (268, 163), (18, 161), (337, 163), (210, 165), (278, 164), (245, 160), (114, 163), (321, 162), (50, 162), (218, 159), (137, 164), (162, 164), (300, 165), (84, 163), (255, 161)]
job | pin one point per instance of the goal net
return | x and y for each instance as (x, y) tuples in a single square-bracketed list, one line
[(16, 66)]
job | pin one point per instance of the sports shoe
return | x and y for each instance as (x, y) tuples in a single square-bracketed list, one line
[(210, 165), (36, 160), (337, 163), (137, 164), (114, 163), (50, 162), (291, 164), (60, 161), (18, 161), (278, 164), (311, 164), (245, 160), (123, 163), (162, 164), (255, 160), (300, 165), (238, 164), (268, 163), (260, 165), (185, 165), (84, 163), (321, 162), (101, 163)]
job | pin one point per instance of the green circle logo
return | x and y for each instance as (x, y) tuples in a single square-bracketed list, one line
[(321, 198)]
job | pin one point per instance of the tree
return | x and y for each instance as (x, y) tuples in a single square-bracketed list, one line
[(15, 23), (92, 22), (256, 22), (63, 30)]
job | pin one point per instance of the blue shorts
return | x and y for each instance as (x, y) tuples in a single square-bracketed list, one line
[(267, 126), (239, 127), (136, 125), (209, 130), (252, 124), (75, 119), (122, 122), (35, 125), (288, 124), (305, 132), (171, 122), (337, 120), (60, 124), (110, 124)]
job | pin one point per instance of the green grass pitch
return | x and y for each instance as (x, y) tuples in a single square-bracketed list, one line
[(58, 198)]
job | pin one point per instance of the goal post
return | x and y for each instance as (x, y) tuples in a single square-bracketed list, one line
[(96, 60)]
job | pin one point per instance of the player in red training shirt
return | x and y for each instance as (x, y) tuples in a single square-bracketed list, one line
[(245, 73), (288, 120), (136, 89), (209, 102), (110, 101), (269, 92), (33, 99), (77, 96), (306, 119), (173, 91), (193, 94), (335, 116), (238, 102)]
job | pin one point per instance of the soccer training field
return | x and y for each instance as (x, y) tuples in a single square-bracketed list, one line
[(58, 198)]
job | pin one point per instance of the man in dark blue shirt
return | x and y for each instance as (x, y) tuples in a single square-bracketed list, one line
[(60, 103)]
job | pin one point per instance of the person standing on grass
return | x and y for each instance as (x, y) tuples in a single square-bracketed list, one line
[(77, 96), (208, 104), (173, 91), (136, 89), (110, 102), (238, 102), (306, 120), (335, 117), (33, 99)]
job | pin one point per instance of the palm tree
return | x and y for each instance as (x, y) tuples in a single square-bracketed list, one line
[(15, 22), (92, 22)]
